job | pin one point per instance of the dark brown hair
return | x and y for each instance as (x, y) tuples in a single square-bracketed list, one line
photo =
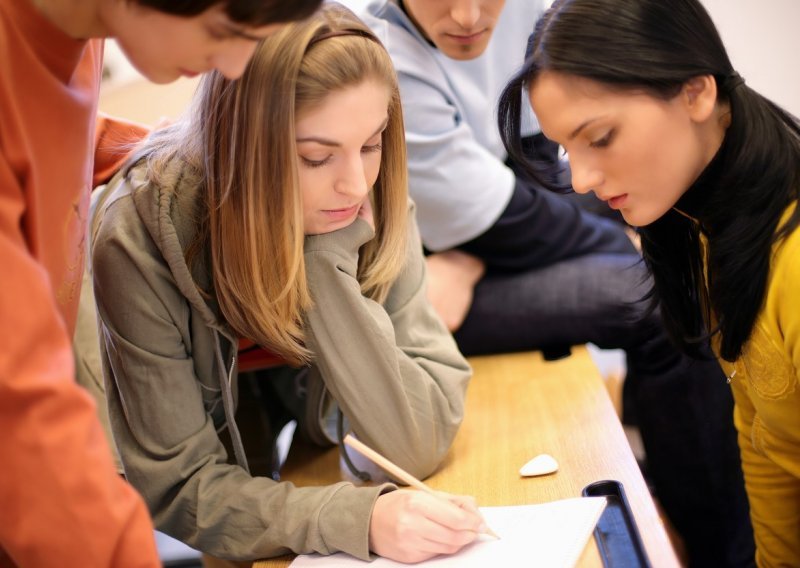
[(249, 12), (656, 47)]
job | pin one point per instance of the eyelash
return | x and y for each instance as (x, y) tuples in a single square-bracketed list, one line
[(320, 163), (604, 141), (219, 34), (315, 163)]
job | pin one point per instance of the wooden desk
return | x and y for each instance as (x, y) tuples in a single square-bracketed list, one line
[(519, 406)]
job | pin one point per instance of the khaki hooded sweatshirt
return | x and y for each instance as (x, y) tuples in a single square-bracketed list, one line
[(170, 364)]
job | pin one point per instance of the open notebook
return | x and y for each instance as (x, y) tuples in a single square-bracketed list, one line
[(549, 535)]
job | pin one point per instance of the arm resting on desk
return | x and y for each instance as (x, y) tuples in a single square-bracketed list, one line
[(393, 368)]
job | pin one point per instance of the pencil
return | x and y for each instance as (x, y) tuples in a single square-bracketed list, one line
[(395, 470)]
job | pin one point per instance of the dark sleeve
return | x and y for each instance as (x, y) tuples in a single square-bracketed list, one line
[(539, 228)]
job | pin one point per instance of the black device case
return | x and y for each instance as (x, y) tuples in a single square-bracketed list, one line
[(617, 535)]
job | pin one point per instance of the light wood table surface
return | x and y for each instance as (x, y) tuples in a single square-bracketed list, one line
[(519, 406)]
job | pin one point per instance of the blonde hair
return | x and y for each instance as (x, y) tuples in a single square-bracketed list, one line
[(240, 140)]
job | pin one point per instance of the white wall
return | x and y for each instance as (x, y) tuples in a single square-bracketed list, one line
[(355, 5), (762, 39), (763, 42)]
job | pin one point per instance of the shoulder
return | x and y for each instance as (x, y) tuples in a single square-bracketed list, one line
[(786, 261), (166, 208), (112, 207), (785, 276), (119, 235), (410, 52)]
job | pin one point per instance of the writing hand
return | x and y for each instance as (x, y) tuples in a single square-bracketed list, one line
[(412, 526)]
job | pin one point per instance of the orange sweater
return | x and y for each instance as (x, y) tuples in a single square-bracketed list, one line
[(61, 501)]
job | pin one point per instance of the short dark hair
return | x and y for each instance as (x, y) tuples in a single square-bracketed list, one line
[(250, 12), (657, 46)]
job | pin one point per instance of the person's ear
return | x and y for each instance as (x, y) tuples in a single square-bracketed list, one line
[(700, 97)]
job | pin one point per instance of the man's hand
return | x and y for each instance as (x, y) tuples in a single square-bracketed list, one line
[(452, 276)]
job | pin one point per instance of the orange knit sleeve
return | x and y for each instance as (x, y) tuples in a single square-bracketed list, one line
[(114, 140)]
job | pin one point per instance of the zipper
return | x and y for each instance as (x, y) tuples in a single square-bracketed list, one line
[(230, 371)]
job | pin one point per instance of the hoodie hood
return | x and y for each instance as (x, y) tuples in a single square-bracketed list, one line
[(170, 212)]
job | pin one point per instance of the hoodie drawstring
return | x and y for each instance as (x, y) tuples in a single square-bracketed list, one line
[(227, 403), (362, 475)]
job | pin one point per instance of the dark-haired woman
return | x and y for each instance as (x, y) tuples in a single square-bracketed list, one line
[(656, 121)]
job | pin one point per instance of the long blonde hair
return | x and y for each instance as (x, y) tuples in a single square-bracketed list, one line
[(240, 139)]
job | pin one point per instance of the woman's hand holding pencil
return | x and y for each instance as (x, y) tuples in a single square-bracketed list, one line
[(412, 526)]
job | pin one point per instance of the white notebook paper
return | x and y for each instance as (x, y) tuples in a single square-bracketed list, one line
[(549, 535)]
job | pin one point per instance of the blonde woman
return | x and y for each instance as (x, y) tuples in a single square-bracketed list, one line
[(277, 213)]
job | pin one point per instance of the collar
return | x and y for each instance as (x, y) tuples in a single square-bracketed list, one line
[(694, 202)]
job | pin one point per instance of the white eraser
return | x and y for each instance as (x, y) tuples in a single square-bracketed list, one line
[(542, 464)]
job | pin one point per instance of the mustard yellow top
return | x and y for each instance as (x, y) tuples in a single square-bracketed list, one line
[(767, 412)]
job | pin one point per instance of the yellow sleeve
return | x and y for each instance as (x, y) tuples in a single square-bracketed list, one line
[(787, 285), (768, 445), (774, 496)]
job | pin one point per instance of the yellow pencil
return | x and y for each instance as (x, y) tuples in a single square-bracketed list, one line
[(395, 470)]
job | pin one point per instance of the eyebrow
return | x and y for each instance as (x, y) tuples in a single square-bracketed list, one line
[(577, 131), (328, 142), (239, 32), (236, 29)]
